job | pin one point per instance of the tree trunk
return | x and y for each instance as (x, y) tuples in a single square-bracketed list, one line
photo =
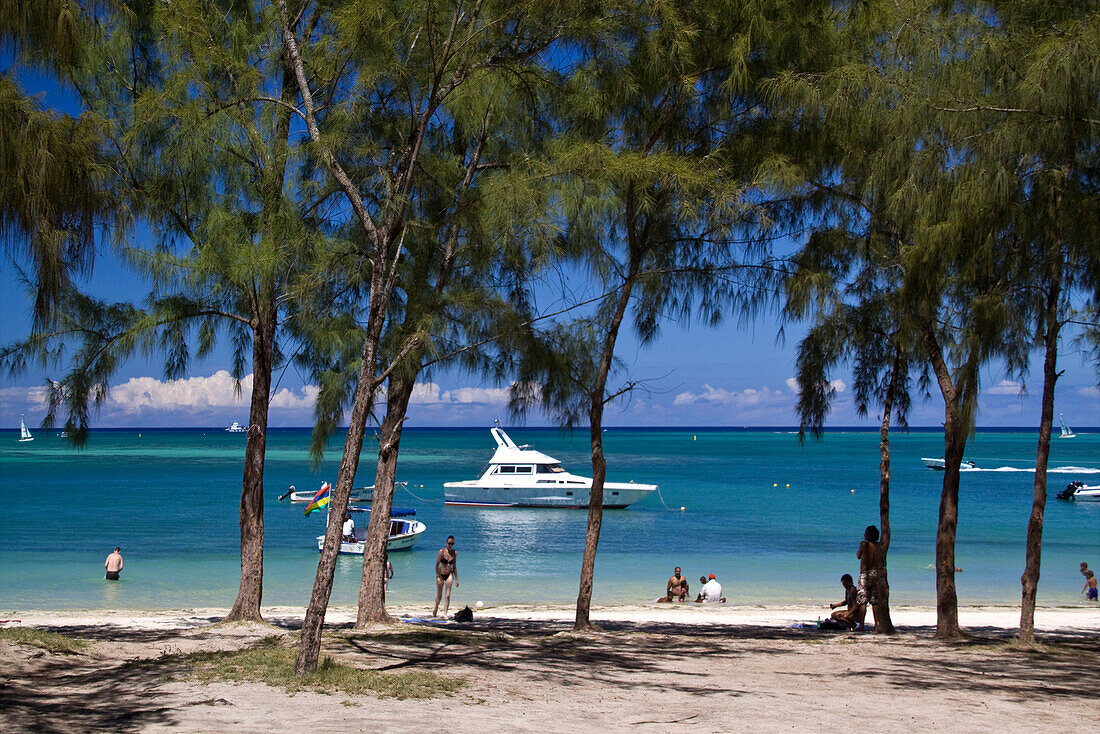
[(372, 589), (250, 593), (954, 433), (883, 623), (310, 649), (595, 519), (595, 423), (1029, 580)]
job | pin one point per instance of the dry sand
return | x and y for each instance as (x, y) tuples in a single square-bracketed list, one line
[(654, 668)]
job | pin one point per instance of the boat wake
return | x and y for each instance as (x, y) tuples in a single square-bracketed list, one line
[(1050, 470)]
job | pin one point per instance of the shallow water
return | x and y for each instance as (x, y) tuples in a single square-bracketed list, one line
[(775, 521)]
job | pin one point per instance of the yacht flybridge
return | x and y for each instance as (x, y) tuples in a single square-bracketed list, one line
[(519, 476)]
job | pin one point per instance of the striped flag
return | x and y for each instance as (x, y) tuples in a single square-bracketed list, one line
[(319, 500)]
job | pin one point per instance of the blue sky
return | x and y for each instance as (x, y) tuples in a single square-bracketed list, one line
[(734, 375)]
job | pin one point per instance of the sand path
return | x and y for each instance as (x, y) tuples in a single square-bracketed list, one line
[(653, 669)]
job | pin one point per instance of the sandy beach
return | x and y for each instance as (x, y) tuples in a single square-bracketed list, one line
[(653, 668)]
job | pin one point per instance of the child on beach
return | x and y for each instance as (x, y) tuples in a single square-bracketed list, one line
[(1090, 586)]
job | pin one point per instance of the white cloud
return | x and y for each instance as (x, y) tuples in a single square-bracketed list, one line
[(733, 398), (837, 385), (1090, 392), (22, 399), (139, 394), (1006, 387), (429, 393)]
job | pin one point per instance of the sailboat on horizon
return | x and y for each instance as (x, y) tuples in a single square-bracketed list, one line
[(24, 433), (1067, 432)]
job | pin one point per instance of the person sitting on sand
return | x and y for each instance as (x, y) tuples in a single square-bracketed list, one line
[(846, 615), (677, 589), (1090, 586), (711, 591)]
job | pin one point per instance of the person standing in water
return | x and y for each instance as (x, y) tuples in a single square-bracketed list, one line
[(113, 564), (446, 573)]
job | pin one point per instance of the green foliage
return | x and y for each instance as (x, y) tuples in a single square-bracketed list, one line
[(273, 665), (49, 641)]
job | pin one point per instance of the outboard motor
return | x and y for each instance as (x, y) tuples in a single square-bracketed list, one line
[(1067, 493)]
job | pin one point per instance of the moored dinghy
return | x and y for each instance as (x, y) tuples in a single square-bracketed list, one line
[(404, 530)]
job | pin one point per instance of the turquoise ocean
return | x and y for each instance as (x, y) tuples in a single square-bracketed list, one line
[(776, 521)]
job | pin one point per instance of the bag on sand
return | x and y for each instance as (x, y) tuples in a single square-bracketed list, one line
[(832, 624), (464, 615)]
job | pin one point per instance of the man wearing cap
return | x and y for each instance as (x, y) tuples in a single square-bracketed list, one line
[(712, 591)]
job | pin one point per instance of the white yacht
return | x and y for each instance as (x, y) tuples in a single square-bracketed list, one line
[(519, 476), (236, 428), (404, 530)]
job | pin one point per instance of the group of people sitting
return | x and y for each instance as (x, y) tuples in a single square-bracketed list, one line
[(677, 589)]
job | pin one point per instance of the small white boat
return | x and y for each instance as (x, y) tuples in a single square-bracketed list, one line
[(1067, 432), (1080, 492), (518, 476), (940, 465), (363, 495), (236, 428), (404, 530), (24, 433)]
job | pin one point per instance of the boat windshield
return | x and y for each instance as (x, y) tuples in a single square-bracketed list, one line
[(550, 469)]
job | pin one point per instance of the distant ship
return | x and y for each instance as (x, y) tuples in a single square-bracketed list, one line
[(236, 428)]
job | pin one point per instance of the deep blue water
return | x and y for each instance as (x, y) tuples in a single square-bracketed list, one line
[(774, 520)]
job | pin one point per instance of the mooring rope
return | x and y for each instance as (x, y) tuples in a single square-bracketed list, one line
[(661, 497), (405, 486)]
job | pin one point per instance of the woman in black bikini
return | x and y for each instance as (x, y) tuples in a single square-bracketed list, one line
[(446, 573)]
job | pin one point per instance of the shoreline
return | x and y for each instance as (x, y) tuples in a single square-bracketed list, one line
[(1003, 618)]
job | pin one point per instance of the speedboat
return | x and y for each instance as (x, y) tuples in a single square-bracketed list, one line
[(236, 428), (358, 494), (519, 476), (1080, 492), (940, 464), (404, 530)]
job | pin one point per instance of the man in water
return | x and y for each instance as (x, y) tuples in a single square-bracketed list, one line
[(677, 589), (846, 615), (867, 592), (712, 591), (1090, 586), (113, 564)]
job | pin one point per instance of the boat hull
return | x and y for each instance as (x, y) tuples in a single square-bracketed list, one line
[(396, 542), (616, 496)]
